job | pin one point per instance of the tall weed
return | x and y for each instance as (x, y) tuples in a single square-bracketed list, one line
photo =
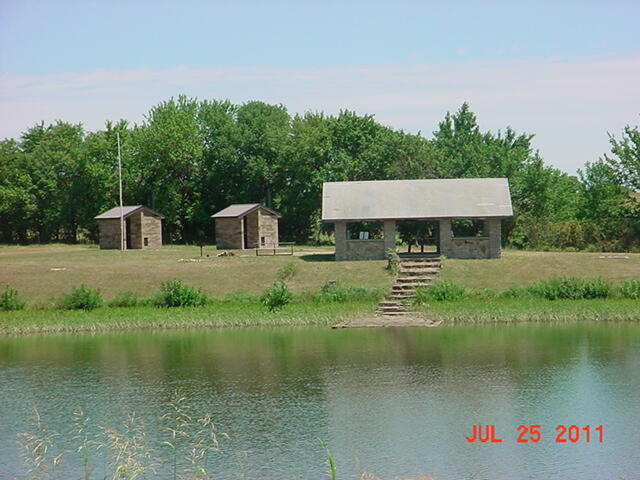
[(173, 293), (81, 298), (572, 288), (442, 291), (10, 299), (630, 289), (287, 272), (276, 296), (125, 299)]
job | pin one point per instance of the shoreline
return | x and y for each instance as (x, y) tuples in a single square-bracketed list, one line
[(302, 314)]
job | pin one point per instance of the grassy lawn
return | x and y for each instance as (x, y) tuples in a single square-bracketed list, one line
[(533, 310), (518, 267), (43, 272), (215, 315)]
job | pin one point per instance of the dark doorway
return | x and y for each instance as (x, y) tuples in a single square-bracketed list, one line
[(127, 236), (418, 236), (245, 235)]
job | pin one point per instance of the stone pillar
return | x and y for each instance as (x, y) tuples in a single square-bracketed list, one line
[(446, 245), (389, 235), (341, 240), (493, 230)]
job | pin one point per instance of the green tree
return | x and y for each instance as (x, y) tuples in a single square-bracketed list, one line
[(264, 133), (53, 164), (17, 200), (166, 158), (625, 159)]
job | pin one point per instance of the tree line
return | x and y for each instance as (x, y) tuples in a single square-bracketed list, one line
[(190, 158)]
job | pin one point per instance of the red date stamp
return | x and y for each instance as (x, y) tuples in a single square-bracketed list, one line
[(533, 434)]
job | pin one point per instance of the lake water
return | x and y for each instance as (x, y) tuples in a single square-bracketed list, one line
[(395, 402)]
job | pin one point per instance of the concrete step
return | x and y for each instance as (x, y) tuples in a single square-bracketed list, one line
[(389, 310), (425, 266), (410, 285), (407, 298), (418, 271), (420, 259), (413, 278), (420, 265), (391, 303), (393, 314)]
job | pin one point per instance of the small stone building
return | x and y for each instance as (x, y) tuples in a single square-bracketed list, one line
[(246, 225), (142, 227), (486, 201)]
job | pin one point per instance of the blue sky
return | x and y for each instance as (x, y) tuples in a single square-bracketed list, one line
[(566, 71)]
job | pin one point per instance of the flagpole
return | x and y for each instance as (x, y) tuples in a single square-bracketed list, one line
[(122, 242)]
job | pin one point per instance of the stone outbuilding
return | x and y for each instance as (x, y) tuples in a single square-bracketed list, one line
[(142, 227), (384, 203), (246, 225)]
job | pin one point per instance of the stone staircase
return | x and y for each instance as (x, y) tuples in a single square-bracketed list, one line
[(413, 272)]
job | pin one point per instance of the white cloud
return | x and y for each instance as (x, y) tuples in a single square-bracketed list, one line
[(568, 104)]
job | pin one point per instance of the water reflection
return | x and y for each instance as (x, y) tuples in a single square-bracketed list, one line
[(393, 401)]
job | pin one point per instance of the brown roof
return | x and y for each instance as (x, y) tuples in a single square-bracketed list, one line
[(127, 210), (240, 210)]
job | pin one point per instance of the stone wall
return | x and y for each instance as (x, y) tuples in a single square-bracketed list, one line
[(142, 225), (364, 250), (493, 229), (340, 234), (253, 229), (229, 233), (268, 223), (446, 237), (151, 230), (109, 233), (361, 249), (389, 235), (135, 225), (487, 246), (469, 247)]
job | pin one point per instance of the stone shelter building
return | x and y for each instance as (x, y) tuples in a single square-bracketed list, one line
[(142, 227), (246, 225), (485, 201)]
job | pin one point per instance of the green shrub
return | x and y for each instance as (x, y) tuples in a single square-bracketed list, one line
[(442, 291), (393, 261), (596, 288), (125, 299), (11, 300), (483, 293), (572, 288), (334, 291), (516, 291), (82, 298), (276, 296), (287, 271), (630, 289), (241, 298), (173, 293), (559, 288)]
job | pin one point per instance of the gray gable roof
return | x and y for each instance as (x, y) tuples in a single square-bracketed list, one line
[(240, 210), (416, 199), (127, 210)]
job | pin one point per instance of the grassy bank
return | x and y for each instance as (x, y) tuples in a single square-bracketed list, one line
[(43, 275), (222, 314), (506, 310), (518, 267), (41, 272)]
